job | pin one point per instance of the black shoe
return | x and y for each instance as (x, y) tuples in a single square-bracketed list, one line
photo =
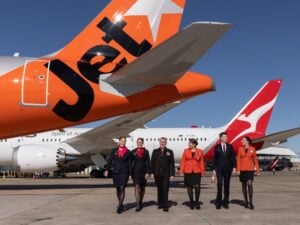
[(192, 206), (138, 208), (246, 205), (119, 210), (218, 207), (166, 209), (251, 206), (198, 205), (226, 206)]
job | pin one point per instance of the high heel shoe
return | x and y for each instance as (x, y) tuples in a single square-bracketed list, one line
[(119, 210), (198, 205), (251, 206), (192, 205), (139, 207)]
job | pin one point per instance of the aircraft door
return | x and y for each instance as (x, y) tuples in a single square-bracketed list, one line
[(35, 83)]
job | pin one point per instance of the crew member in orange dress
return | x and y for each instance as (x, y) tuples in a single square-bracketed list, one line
[(246, 164), (192, 166)]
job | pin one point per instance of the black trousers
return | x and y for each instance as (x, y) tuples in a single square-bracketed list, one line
[(162, 184), (223, 178)]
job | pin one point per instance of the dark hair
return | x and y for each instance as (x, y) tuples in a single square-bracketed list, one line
[(193, 141), (122, 137), (140, 139), (248, 139), (222, 133)]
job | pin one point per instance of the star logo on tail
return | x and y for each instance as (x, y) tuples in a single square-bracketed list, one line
[(154, 9)]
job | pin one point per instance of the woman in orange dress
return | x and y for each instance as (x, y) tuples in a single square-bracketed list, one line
[(246, 164), (192, 166)]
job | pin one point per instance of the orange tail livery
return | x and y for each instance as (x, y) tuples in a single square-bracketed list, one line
[(130, 58)]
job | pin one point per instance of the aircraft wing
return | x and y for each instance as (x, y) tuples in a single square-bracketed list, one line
[(277, 138), (100, 139), (167, 62)]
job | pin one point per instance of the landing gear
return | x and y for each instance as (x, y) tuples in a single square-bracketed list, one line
[(57, 174), (96, 173)]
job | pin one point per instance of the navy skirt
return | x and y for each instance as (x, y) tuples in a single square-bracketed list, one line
[(139, 179), (120, 179), (246, 175), (191, 179)]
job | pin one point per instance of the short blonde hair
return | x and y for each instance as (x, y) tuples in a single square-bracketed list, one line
[(163, 138)]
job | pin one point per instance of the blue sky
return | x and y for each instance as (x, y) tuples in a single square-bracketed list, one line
[(263, 44)]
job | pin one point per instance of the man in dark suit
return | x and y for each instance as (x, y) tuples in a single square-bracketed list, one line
[(163, 169), (224, 165)]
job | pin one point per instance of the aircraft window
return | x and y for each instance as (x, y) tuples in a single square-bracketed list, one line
[(185, 139), (205, 139), (146, 139), (51, 140), (59, 140), (47, 139), (174, 139), (170, 139), (150, 139), (201, 139), (197, 139), (18, 140)]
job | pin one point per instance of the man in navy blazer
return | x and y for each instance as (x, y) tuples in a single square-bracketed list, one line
[(224, 163)]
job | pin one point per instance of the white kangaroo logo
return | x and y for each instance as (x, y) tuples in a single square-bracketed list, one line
[(254, 117)]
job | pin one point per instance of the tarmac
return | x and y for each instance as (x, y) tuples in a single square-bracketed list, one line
[(87, 201)]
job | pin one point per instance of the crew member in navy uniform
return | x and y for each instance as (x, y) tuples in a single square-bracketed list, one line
[(224, 165), (163, 169), (120, 162), (140, 171)]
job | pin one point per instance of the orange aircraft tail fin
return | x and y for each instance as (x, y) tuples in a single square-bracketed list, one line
[(123, 31)]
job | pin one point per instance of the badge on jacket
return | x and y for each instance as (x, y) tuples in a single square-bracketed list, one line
[(168, 153)]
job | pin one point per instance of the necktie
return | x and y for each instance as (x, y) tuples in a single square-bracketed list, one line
[(224, 148)]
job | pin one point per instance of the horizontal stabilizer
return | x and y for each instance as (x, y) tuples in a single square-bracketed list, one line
[(167, 62), (277, 138)]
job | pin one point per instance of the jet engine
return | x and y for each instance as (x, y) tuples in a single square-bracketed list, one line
[(35, 158)]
